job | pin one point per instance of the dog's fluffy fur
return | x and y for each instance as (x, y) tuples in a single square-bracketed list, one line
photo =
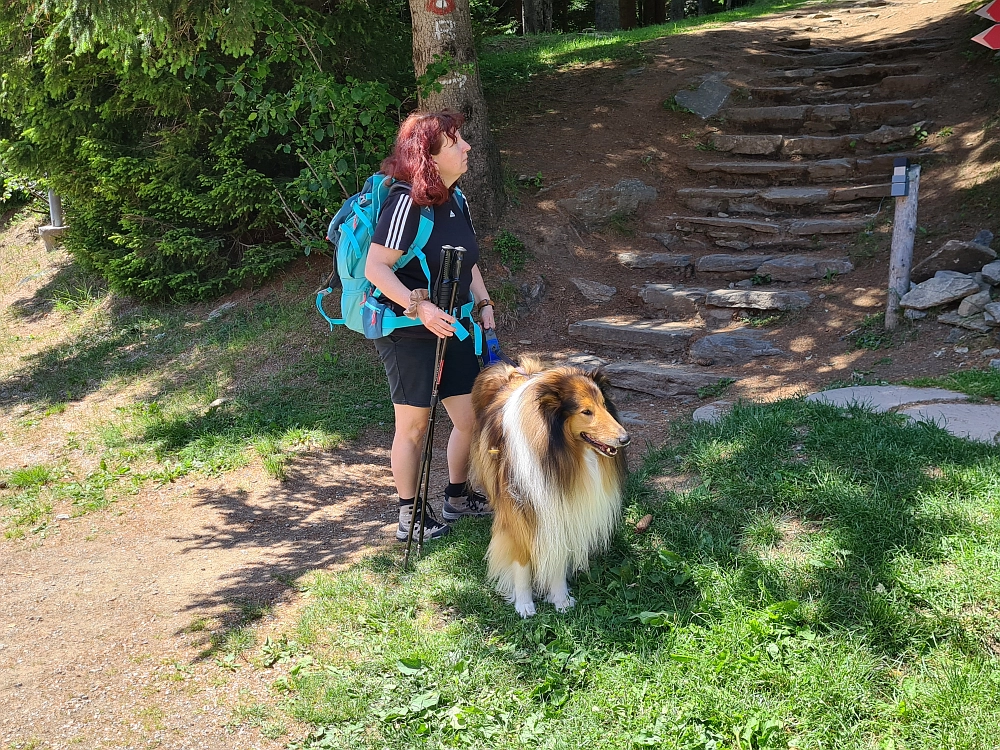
[(548, 451)]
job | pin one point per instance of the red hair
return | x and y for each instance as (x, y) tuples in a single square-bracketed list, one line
[(420, 137)]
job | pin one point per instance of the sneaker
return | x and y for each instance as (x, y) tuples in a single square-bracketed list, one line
[(433, 528), (473, 504)]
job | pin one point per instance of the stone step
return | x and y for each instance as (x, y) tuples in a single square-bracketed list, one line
[(770, 201), (628, 332), (737, 347), (811, 145), (756, 299), (854, 75), (680, 262), (819, 57), (818, 117), (798, 227), (824, 170), (890, 87), (794, 268), (659, 379)]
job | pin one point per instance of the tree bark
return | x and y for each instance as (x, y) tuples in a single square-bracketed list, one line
[(627, 13), (442, 29), (606, 15), (537, 16), (648, 12), (676, 10), (904, 232), (660, 11)]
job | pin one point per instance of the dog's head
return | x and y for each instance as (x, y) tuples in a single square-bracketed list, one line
[(577, 402)]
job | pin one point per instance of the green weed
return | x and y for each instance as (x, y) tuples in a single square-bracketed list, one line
[(511, 251), (716, 389), (871, 334)]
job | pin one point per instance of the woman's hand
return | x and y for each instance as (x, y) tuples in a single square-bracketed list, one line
[(486, 317), (435, 320)]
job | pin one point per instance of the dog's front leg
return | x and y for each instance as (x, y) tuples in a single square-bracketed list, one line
[(559, 595), (523, 602)]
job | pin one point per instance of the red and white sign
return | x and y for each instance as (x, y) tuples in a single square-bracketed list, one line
[(441, 7), (991, 11), (989, 38)]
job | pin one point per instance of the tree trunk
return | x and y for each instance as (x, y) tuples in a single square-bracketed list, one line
[(442, 29), (537, 16), (704, 7), (626, 13), (648, 12), (606, 15), (660, 11), (677, 10)]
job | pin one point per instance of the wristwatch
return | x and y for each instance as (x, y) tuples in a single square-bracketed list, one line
[(483, 303)]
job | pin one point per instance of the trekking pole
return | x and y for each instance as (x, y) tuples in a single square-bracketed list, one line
[(446, 280)]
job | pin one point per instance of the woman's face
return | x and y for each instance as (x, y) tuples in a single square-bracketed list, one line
[(453, 159)]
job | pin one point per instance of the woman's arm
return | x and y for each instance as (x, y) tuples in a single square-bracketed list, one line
[(378, 270), (479, 292)]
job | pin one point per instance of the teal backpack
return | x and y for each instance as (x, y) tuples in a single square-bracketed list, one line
[(351, 231)]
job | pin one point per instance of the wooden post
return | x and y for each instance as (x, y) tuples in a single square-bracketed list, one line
[(904, 229)]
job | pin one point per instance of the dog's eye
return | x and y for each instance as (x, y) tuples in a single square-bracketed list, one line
[(587, 413)]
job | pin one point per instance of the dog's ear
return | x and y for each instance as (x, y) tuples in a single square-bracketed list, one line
[(602, 381)]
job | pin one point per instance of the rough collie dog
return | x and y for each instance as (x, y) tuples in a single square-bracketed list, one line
[(547, 449)]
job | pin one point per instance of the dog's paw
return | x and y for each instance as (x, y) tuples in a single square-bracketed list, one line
[(525, 609), (562, 605)]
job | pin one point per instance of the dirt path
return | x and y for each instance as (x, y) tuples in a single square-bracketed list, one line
[(112, 624)]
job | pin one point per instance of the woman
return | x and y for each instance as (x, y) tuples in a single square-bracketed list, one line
[(429, 157)]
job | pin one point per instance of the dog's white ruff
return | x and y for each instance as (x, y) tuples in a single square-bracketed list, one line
[(572, 522)]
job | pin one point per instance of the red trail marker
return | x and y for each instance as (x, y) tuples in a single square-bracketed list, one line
[(989, 38), (991, 11)]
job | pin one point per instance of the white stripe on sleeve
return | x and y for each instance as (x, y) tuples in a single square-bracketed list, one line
[(398, 223)]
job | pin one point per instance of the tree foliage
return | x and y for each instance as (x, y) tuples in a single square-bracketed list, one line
[(196, 144)]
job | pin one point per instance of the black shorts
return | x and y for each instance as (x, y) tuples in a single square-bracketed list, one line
[(409, 365)]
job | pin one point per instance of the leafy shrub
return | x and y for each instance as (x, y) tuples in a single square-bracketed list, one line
[(200, 161), (511, 250)]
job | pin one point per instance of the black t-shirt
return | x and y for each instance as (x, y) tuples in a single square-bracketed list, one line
[(397, 228)]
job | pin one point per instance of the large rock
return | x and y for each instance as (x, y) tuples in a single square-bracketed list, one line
[(974, 304), (758, 300), (594, 290), (991, 272), (706, 100), (731, 348), (596, 205), (991, 314), (658, 379), (954, 255), (670, 298), (653, 335), (975, 323), (939, 291), (803, 267)]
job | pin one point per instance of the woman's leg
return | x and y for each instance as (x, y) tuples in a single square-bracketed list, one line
[(459, 442), (407, 446)]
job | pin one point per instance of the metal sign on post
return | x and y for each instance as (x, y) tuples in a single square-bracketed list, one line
[(906, 188), (990, 12), (989, 38)]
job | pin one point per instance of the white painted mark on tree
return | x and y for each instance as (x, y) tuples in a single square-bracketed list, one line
[(444, 27), (459, 79)]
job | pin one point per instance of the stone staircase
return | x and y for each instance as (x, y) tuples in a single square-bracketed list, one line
[(800, 162)]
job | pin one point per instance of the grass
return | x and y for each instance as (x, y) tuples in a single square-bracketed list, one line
[(976, 383), (507, 63), (829, 581), (182, 393)]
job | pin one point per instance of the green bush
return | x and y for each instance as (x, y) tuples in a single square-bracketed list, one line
[(194, 163)]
